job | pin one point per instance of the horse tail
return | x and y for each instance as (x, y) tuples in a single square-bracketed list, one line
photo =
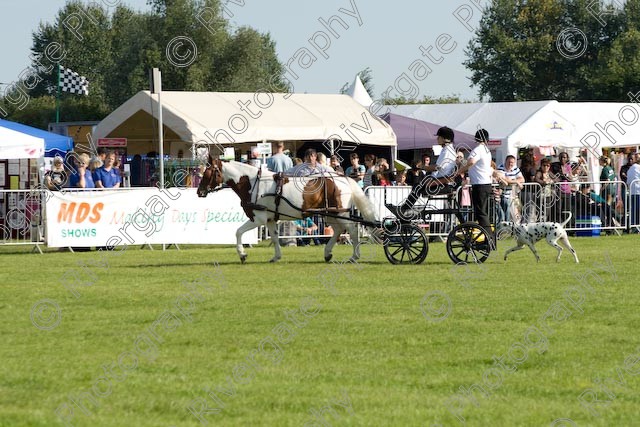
[(361, 201)]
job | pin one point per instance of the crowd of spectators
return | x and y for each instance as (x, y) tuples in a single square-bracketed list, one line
[(82, 171)]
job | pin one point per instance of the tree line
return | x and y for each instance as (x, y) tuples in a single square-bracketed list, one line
[(566, 50), (189, 40)]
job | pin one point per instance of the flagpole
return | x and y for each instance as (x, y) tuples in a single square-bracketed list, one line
[(58, 97)]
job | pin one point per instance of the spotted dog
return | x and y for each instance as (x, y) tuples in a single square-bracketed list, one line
[(530, 234)]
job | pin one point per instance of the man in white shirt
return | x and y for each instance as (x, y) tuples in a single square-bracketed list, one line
[(480, 174), (633, 182), (513, 180)]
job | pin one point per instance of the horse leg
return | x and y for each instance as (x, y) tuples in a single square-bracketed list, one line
[(328, 248), (249, 225), (275, 239), (355, 241)]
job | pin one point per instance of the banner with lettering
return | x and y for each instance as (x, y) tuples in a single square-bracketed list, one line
[(146, 215)]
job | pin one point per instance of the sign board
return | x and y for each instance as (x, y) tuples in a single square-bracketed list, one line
[(229, 153), (125, 217), (264, 148), (494, 142), (112, 142)]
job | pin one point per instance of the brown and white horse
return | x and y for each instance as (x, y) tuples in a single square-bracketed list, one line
[(264, 204)]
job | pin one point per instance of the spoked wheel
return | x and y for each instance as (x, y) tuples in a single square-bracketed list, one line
[(469, 242), (406, 245)]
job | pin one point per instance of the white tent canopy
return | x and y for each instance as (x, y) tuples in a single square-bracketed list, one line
[(538, 123), (501, 119), (226, 117), (358, 92), (17, 145)]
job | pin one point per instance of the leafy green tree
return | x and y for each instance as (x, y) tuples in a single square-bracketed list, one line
[(189, 40), (447, 99), (544, 49)]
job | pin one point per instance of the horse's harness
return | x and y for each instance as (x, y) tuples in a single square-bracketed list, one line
[(280, 180)]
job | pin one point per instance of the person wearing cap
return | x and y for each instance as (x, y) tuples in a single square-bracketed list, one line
[(480, 175), (633, 182), (442, 171), (56, 178)]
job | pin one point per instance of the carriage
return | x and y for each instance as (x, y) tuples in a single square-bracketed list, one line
[(267, 198), (405, 242)]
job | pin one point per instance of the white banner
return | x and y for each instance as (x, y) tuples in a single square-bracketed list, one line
[(141, 216)]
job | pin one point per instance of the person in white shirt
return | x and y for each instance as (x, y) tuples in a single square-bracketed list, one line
[(442, 171), (633, 182), (480, 175), (512, 182)]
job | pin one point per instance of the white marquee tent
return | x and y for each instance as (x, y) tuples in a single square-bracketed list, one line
[(231, 118), (358, 92), (570, 126), (507, 122)]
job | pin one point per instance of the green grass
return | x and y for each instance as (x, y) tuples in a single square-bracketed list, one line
[(369, 337)]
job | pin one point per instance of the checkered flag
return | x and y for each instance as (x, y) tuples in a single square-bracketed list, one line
[(73, 82)]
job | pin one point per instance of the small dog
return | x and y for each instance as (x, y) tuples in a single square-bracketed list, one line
[(530, 234)]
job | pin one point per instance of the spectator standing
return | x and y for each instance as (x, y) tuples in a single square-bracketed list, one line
[(310, 166), (279, 162), (545, 179), (401, 178), (334, 162), (356, 170), (563, 173), (107, 176), (623, 177), (383, 175), (607, 174), (322, 159), (528, 193), (513, 181), (56, 178), (83, 177), (464, 196), (370, 165), (102, 154), (633, 182)]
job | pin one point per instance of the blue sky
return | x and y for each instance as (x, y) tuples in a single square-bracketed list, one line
[(386, 38)]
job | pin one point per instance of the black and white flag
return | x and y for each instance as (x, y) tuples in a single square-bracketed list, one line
[(73, 82)]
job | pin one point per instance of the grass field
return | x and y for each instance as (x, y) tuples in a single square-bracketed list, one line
[(136, 338)]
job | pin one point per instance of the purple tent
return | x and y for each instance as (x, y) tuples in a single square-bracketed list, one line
[(415, 134)]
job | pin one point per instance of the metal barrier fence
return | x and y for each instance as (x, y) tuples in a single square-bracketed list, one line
[(633, 205), (22, 217), (23, 214)]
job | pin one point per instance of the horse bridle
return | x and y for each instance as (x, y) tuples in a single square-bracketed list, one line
[(215, 172)]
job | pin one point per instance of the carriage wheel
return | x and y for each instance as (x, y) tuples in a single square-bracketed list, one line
[(469, 242), (407, 245)]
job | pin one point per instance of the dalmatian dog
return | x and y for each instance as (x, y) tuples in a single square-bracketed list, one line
[(530, 234)]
